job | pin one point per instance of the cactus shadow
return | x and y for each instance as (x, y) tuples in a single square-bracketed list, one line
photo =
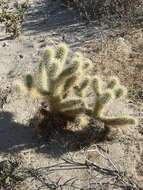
[(15, 137), (64, 135), (7, 38), (71, 141)]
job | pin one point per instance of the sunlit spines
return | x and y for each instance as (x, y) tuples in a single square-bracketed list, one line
[(70, 104), (96, 84), (42, 78), (48, 55), (121, 91), (113, 82), (101, 102), (61, 53)]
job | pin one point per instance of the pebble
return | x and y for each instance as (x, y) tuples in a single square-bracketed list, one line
[(5, 44), (21, 56)]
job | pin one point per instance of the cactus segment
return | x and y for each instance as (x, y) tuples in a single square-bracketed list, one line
[(119, 121)]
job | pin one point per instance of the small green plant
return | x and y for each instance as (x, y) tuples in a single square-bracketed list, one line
[(8, 177), (12, 19), (64, 84)]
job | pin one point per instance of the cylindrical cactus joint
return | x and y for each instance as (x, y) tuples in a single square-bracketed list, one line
[(113, 83), (120, 92), (48, 55), (62, 52), (28, 81)]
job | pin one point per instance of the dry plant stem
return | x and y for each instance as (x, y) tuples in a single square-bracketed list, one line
[(118, 178)]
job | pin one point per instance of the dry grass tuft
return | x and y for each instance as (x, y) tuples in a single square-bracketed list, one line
[(127, 10), (12, 18)]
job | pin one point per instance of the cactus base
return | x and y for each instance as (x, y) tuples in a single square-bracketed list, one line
[(60, 127), (48, 123)]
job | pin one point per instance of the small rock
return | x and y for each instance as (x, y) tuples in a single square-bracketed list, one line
[(21, 56), (140, 129), (5, 44)]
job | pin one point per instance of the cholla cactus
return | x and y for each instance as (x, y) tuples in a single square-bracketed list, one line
[(104, 95), (54, 79), (64, 84)]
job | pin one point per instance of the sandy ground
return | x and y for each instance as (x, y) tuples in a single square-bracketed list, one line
[(57, 166)]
